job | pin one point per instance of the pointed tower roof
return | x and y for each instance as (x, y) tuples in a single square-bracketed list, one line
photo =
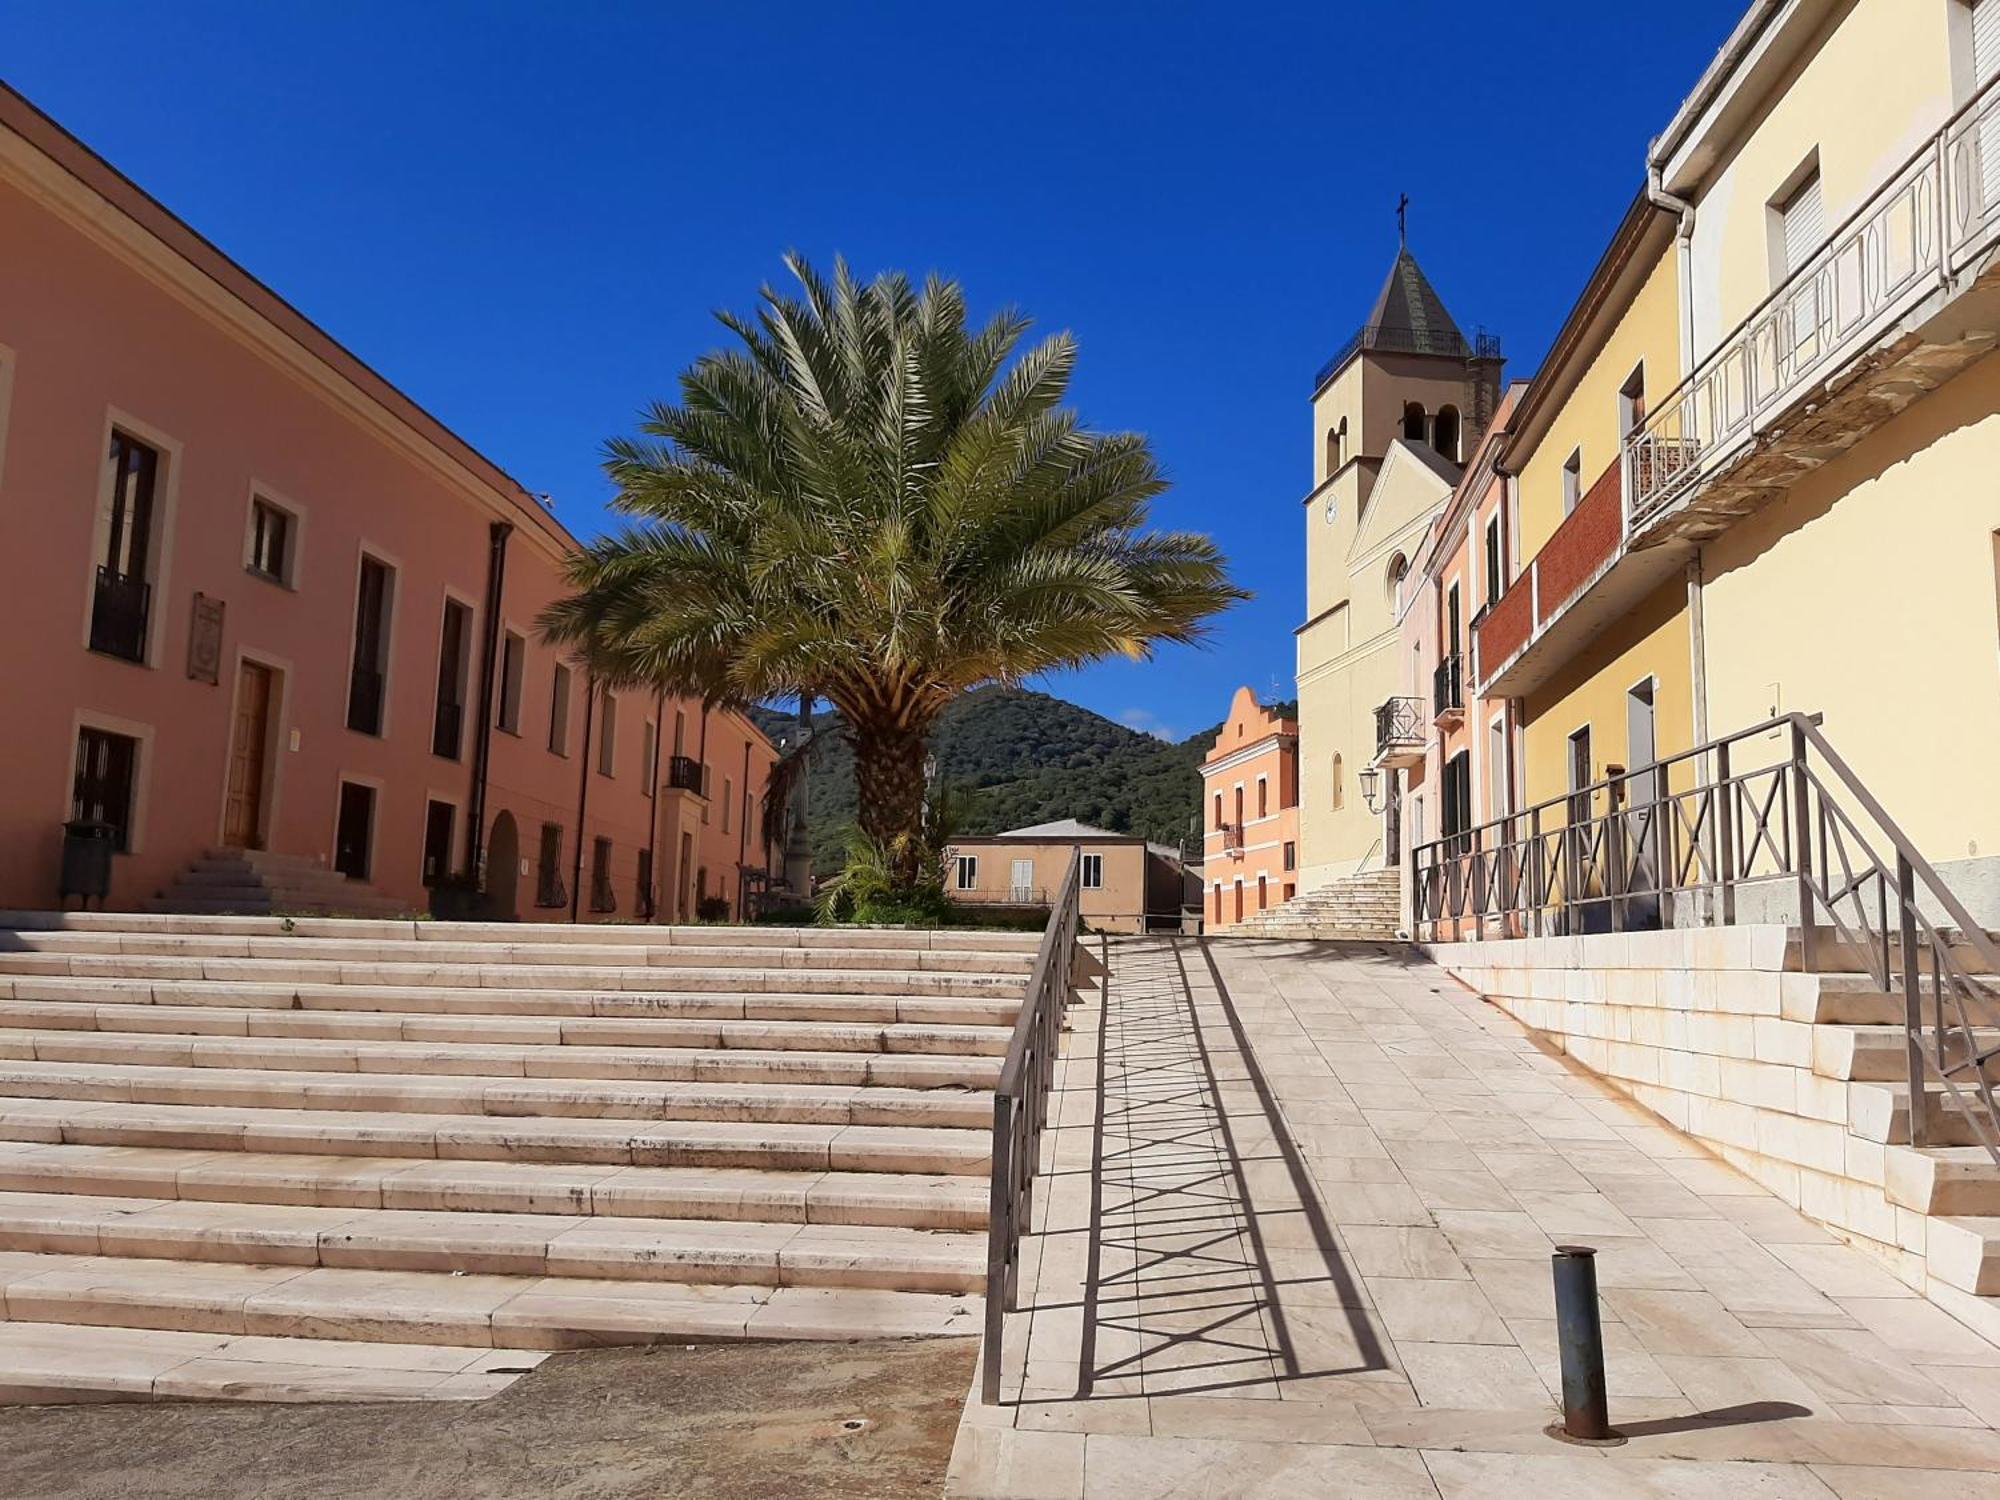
[(1409, 317)]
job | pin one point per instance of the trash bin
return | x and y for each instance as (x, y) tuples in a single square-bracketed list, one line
[(88, 845)]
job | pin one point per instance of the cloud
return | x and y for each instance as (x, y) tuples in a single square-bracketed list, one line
[(1147, 722)]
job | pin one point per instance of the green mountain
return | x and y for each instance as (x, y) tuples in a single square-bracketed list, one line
[(1028, 758)]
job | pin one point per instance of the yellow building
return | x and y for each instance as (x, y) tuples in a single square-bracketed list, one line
[(1394, 413), (1757, 473)]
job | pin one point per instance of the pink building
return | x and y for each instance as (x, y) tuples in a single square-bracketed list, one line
[(254, 596), (1250, 810)]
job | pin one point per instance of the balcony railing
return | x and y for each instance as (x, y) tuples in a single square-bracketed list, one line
[(1448, 685), (119, 607), (1004, 895), (1398, 721), (1926, 220), (364, 700), (683, 773), (1232, 837)]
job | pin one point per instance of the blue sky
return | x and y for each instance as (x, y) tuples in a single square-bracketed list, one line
[(525, 213)]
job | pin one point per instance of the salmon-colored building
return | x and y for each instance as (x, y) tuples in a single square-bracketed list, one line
[(256, 597), (1250, 813)]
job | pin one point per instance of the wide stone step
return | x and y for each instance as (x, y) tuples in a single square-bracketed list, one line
[(64, 1363), (632, 978), (817, 938), (476, 1003), (1856, 1000), (1831, 956), (1964, 1253), (1961, 1180), (690, 1143), (602, 1247), (1881, 1112), (438, 1307), (571, 955), (1880, 1054), (471, 1094), (895, 1199)]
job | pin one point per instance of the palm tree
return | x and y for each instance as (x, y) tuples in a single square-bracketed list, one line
[(872, 504)]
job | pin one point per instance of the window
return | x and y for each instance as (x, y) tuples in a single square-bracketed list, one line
[(1218, 809), (1239, 807), (1452, 617), (559, 712), (107, 768), (965, 872), (1493, 571), (1632, 401), (1339, 791), (1291, 856), (1093, 872), (374, 597), (1262, 890), (728, 799), (270, 541), (549, 890), (1500, 785), (438, 820), (644, 895), (354, 830), (607, 735), (1414, 423), (649, 756), (1572, 480), (601, 899), (1263, 797), (1392, 581), (513, 663), (454, 660), (1444, 432), (1800, 225), (121, 602), (1457, 794)]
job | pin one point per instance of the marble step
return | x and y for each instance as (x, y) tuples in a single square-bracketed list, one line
[(638, 1143), (1881, 1112), (469, 1310), (1856, 1000), (894, 1199), (71, 1364), (1832, 957), (603, 1247), (572, 955), (477, 1003), (513, 976), (817, 938), (1880, 1054), (437, 1091), (1964, 1253), (1943, 1180), (353, 1042)]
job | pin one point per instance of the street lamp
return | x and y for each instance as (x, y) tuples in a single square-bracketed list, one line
[(1371, 789)]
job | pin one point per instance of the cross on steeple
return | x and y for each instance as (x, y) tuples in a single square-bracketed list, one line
[(1403, 221)]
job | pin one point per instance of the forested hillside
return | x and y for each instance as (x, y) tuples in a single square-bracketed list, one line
[(1028, 758)]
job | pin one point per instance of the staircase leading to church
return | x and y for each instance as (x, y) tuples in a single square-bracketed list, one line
[(257, 882), (314, 1158), (1356, 907)]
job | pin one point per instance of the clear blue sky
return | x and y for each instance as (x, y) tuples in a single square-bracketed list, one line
[(524, 213)]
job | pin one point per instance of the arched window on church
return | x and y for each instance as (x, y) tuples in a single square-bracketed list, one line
[(1392, 583), (1444, 433), (1413, 423), (1339, 791)]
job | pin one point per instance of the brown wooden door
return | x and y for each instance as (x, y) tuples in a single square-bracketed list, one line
[(249, 745)]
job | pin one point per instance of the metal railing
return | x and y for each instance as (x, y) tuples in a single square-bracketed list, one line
[(1924, 221), (1398, 721), (550, 890), (1448, 685), (1005, 895), (1021, 1113), (1395, 340), (1232, 837), (119, 607), (683, 773), (1771, 813)]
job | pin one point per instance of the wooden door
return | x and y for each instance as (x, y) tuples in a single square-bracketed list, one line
[(249, 748)]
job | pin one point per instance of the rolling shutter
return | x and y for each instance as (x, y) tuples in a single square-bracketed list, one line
[(1804, 216), (1985, 39)]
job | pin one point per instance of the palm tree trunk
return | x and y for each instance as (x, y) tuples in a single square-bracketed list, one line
[(889, 779)]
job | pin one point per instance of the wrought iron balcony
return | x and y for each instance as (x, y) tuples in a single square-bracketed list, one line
[(1232, 838), (683, 773), (364, 700), (1448, 686), (1399, 731), (119, 607), (1908, 239)]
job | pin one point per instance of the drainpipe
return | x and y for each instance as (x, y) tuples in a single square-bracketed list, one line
[(743, 836), (653, 830), (582, 793), (1659, 197), (1698, 649), (482, 742)]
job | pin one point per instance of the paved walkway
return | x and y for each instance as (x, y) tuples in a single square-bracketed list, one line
[(1297, 1244)]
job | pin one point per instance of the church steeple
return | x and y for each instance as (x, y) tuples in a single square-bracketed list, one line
[(1409, 316)]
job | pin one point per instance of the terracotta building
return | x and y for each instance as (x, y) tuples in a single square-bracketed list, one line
[(256, 597)]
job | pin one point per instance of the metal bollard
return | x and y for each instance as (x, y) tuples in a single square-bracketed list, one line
[(1580, 1341)]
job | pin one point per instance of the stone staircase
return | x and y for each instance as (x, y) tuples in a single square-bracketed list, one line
[(318, 1158), (1363, 906), (1797, 1076), (257, 882)]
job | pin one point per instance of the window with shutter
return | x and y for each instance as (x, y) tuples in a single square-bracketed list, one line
[(1803, 220)]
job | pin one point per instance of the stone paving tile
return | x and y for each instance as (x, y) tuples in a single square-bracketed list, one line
[(1320, 1266)]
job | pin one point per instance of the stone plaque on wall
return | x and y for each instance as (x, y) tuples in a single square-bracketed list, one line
[(205, 640)]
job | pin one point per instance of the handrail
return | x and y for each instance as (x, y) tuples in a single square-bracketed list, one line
[(1020, 1114), (1670, 447), (1683, 855)]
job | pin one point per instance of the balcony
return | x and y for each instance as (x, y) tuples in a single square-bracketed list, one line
[(119, 607), (683, 774), (1448, 688), (1232, 839), (1399, 732), (1857, 332)]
